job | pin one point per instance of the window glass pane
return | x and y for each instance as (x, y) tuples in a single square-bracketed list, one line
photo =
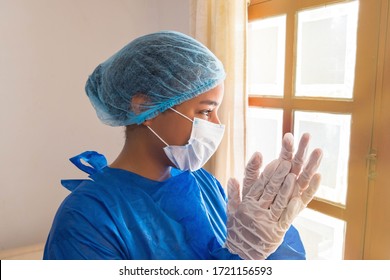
[(322, 235), (264, 133), (266, 52), (331, 133), (326, 51)]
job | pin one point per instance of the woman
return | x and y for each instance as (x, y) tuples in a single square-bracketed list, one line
[(155, 201)]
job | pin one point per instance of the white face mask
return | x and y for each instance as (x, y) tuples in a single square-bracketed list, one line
[(204, 141)]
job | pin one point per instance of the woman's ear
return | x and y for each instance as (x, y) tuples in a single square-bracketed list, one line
[(148, 122), (138, 105)]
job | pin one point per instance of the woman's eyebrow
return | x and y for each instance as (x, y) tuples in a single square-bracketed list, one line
[(209, 102)]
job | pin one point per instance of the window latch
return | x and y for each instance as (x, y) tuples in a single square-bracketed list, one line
[(371, 164)]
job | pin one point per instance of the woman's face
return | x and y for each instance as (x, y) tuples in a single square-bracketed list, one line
[(175, 129)]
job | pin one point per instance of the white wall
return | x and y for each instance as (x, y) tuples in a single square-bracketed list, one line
[(47, 50)]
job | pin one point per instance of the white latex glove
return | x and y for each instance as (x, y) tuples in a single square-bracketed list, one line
[(258, 222)]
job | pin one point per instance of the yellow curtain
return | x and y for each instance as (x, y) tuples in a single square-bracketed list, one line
[(221, 26)]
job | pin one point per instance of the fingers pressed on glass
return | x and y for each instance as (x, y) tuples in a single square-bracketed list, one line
[(234, 198), (287, 147), (275, 183), (283, 197), (299, 157), (309, 193), (310, 169), (257, 189), (252, 171)]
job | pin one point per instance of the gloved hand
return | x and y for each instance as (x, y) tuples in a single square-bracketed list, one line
[(270, 202)]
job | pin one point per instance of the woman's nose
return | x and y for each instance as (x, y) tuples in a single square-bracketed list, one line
[(216, 120)]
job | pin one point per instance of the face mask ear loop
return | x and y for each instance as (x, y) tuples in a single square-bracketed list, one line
[(157, 136), (181, 114)]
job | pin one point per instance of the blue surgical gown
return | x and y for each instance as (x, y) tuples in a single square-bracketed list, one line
[(117, 214)]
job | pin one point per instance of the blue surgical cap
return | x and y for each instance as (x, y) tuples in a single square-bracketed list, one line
[(166, 68)]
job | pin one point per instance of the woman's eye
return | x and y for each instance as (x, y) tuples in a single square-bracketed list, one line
[(206, 112)]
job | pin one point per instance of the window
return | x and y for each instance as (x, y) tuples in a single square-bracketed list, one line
[(326, 50), (267, 44), (311, 69)]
